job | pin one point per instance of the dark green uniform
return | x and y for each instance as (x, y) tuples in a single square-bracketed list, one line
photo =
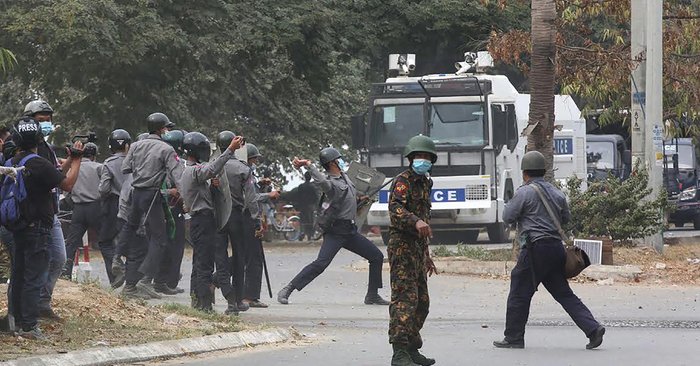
[(409, 201)]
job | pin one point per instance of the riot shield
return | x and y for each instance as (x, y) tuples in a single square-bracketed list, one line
[(367, 181), (222, 201)]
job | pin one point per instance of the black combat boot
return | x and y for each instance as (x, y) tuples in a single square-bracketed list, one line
[(234, 306), (283, 295), (596, 338), (509, 344), (373, 298), (401, 356), (164, 289), (204, 303), (414, 345)]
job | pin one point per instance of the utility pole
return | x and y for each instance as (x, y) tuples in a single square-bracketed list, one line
[(647, 96)]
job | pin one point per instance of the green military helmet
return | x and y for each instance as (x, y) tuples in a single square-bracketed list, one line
[(328, 154), (252, 151), (224, 139), (533, 160), (420, 143), (174, 138)]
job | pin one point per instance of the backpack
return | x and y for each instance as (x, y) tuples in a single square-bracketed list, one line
[(12, 193)]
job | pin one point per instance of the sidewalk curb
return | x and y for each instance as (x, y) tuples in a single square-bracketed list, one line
[(157, 350)]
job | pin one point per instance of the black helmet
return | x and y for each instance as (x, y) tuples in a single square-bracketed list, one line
[(327, 155), (118, 140), (224, 139), (37, 106), (252, 151), (9, 149), (174, 138), (26, 133), (156, 121), (196, 145), (142, 136), (90, 149)]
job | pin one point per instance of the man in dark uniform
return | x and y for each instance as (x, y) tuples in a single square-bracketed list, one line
[(305, 199), (149, 161), (198, 202), (111, 182), (340, 230), (87, 210), (42, 112), (30, 252), (409, 256), (542, 256), (169, 274)]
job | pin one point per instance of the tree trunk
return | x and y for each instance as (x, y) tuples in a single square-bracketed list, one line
[(543, 33)]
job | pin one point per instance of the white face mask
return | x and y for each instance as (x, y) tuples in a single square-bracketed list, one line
[(342, 165)]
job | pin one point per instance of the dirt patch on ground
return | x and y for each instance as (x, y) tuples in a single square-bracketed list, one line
[(93, 317), (678, 265)]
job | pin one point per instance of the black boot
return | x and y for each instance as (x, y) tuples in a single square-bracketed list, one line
[(414, 344), (204, 303), (373, 298), (235, 306), (596, 338), (401, 356), (509, 344), (283, 295)]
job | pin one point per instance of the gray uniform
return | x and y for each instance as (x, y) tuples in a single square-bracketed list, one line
[(85, 188), (196, 193), (149, 161), (237, 173), (253, 198), (340, 192), (112, 178), (125, 198), (527, 210)]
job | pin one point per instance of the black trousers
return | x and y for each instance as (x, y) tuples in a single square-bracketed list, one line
[(154, 225), (109, 230), (253, 260), (169, 272), (204, 239), (234, 233), (30, 270), (548, 257), (86, 216), (343, 235)]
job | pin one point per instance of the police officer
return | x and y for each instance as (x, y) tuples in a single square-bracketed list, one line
[(339, 228), (409, 256), (42, 112), (149, 161), (257, 204), (111, 183), (305, 199), (542, 256), (198, 202), (86, 210), (30, 253), (233, 267), (168, 276)]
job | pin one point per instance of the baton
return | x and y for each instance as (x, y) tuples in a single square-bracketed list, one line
[(267, 275)]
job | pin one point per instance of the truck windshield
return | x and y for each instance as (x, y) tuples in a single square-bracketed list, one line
[(685, 155), (458, 124), (393, 125), (600, 154)]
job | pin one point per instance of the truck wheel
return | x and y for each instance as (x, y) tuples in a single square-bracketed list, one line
[(498, 233)]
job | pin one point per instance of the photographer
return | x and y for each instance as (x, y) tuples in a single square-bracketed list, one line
[(30, 253)]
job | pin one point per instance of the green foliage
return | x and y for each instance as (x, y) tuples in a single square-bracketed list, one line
[(7, 60), (472, 252), (616, 209), (286, 74)]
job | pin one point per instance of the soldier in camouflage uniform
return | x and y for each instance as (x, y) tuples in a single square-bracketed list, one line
[(409, 256)]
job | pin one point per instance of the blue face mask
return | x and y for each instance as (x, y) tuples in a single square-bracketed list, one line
[(342, 165), (46, 128), (421, 166)]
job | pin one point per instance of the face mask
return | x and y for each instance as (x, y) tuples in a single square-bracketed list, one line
[(253, 166), (342, 165), (421, 166), (46, 128)]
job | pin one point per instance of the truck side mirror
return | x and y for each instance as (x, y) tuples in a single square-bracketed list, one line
[(358, 131), (627, 157)]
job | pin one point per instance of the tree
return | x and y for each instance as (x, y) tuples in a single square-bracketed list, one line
[(594, 63), (541, 125), (7, 60)]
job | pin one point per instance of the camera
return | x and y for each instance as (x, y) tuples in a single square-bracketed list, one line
[(90, 137)]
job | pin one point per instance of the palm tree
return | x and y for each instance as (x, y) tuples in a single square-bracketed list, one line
[(541, 125), (7, 60)]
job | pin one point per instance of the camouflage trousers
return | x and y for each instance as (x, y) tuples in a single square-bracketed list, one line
[(409, 291)]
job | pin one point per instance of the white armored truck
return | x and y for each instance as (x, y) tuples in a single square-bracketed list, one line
[(475, 120)]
